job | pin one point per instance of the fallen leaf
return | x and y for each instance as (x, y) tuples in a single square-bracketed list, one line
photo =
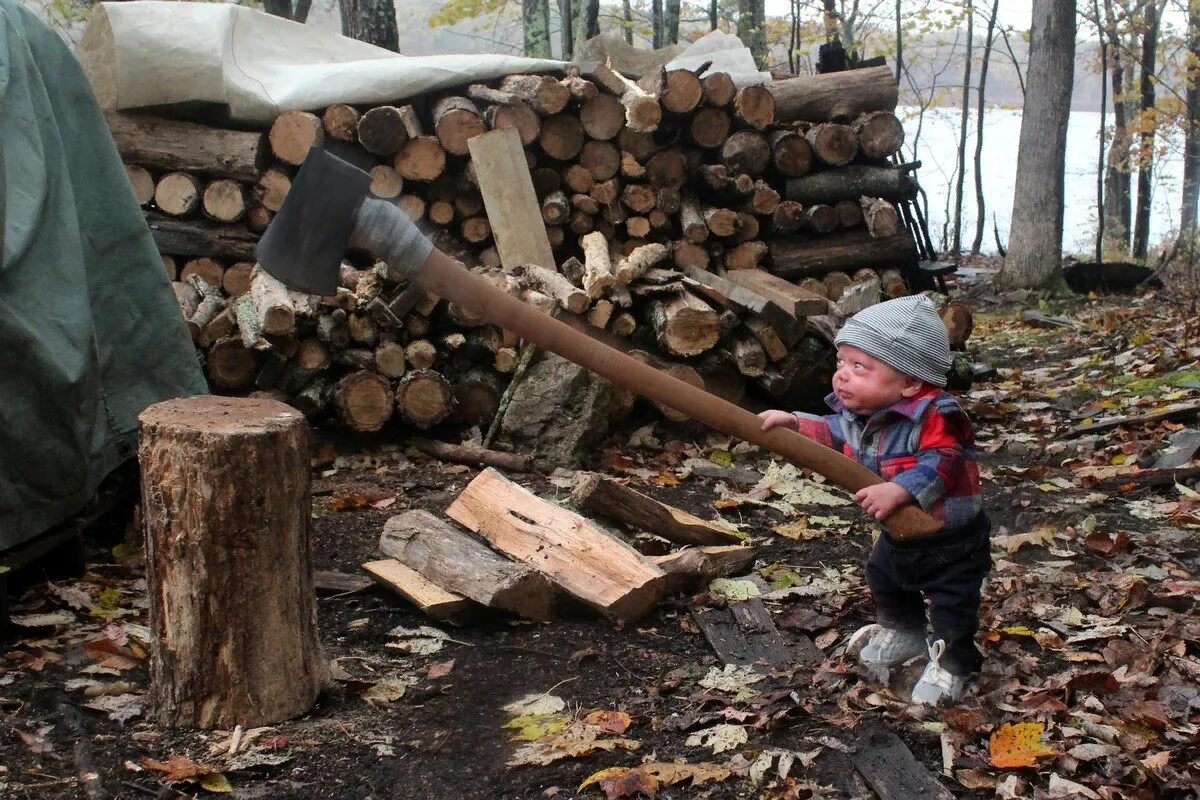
[(179, 768), (421, 641), (719, 737), (618, 782), (440, 670), (1092, 751), (576, 740), (110, 655), (384, 503), (1019, 745), (36, 742), (1039, 536), (732, 679), (1157, 762), (51, 619), (732, 589), (73, 596), (120, 707), (531, 727), (536, 704), (388, 690), (216, 782), (1061, 787), (609, 721)]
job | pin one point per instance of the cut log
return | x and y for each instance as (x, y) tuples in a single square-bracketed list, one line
[(639, 145), (893, 282), (578, 179), (849, 214), (178, 193), (293, 134), (580, 88), (381, 131), (637, 262), (420, 354), (555, 208), (386, 182), (748, 227), (882, 218), (170, 146), (421, 158), (606, 192), (727, 294), (747, 255), (602, 117), (601, 313), (680, 92), (601, 159), (721, 221), (746, 152), (258, 217), (688, 254), (207, 269), (791, 153), (583, 560), (456, 120), (229, 646), (485, 94), (224, 200), (862, 293), (478, 230), (440, 212), (880, 134), (231, 365), (598, 272), (791, 298), (836, 283), (219, 327), (693, 567), (691, 220), (585, 203), (959, 321), (142, 183), (554, 284), (709, 127), (509, 197), (835, 96), (562, 137), (755, 106), (748, 355), (851, 183), (685, 325), (764, 199), (341, 122), (477, 396), (772, 344), (639, 198), (833, 144), (667, 169), (849, 250), (714, 177), (433, 601), (820, 219), (275, 311), (597, 494), (273, 186), (423, 397), (623, 325), (719, 89), (520, 117), (460, 563), (543, 93), (364, 401)]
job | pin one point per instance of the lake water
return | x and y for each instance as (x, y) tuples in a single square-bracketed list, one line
[(936, 149)]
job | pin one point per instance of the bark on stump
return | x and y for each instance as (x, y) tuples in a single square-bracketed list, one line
[(225, 498)]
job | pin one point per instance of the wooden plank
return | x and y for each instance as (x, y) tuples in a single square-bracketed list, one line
[(581, 558), (746, 301), (796, 301), (890, 768), (433, 600), (598, 494), (743, 634), (507, 188), (690, 566)]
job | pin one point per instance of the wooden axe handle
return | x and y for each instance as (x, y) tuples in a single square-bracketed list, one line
[(449, 279)]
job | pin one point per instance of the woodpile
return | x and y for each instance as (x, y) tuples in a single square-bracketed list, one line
[(710, 228)]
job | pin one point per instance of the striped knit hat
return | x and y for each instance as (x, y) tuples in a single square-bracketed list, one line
[(906, 334)]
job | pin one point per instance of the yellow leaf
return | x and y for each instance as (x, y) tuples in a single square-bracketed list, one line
[(604, 774), (609, 721), (216, 782), (721, 458), (1019, 745), (531, 727), (795, 530), (665, 478), (1018, 630)]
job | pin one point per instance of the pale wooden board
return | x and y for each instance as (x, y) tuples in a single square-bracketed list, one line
[(508, 196), (425, 595)]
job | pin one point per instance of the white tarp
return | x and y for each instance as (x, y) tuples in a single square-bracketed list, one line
[(150, 53), (727, 54)]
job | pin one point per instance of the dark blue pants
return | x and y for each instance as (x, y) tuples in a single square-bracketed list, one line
[(946, 569)]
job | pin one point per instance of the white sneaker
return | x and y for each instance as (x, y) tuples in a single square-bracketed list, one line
[(937, 685), (888, 647)]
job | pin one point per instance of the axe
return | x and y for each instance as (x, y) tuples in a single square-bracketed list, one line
[(327, 209)]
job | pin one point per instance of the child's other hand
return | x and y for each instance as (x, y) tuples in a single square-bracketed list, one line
[(882, 499), (777, 419)]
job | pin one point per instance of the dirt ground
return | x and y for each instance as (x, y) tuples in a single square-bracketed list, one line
[(1088, 625)]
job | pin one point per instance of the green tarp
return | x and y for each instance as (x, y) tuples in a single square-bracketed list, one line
[(90, 333)]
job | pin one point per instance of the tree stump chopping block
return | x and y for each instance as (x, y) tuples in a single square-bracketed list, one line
[(225, 499)]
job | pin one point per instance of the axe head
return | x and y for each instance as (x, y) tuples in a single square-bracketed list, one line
[(304, 245)]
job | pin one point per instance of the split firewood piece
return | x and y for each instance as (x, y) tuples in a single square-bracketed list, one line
[(835, 284), (864, 291), (643, 112), (423, 397), (580, 88), (764, 200), (212, 302), (543, 93), (554, 284), (833, 144), (458, 562), (880, 134), (518, 116), (584, 560), (293, 134), (719, 89), (218, 327), (364, 401), (679, 91), (691, 221), (601, 313), (178, 193), (747, 255), (746, 152), (726, 293), (768, 337), (602, 117), (272, 304), (685, 325), (381, 131), (455, 121), (224, 200), (142, 183), (562, 137), (791, 298), (748, 354), (881, 217), (893, 282), (598, 272), (598, 494), (208, 269), (692, 567), (341, 122), (637, 262), (433, 601), (755, 106)]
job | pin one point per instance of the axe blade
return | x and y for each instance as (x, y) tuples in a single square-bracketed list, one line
[(305, 242)]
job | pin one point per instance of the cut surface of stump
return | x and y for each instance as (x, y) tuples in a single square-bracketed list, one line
[(562, 136), (225, 504)]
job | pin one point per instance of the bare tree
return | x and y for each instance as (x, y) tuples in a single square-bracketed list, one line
[(962, 131), (671, 21), (627, 16), (656, 23), (1035, 239), (372, 21), (1103, 125), (1118, 208), (980, 210), (899, 40), (1145, 188), (752, 29), (536, 19), (1191, 136)]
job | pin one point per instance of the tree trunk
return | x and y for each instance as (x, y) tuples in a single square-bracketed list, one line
[(1191, 140), (980, 207), (960, 178), (225, 499), (1100, 214), (537, 29), (1117, 190), (1035, 240), (591, 18), (752, 29), (1141, 223), (371, 21), (627, 20), (656, 23), (671, 21)]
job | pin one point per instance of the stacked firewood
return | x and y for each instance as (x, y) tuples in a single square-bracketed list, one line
[(684, 217)]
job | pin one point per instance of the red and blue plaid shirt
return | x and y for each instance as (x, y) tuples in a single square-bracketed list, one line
[(924, 443)]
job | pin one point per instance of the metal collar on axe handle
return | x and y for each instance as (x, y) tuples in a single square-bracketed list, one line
[(327, 209)]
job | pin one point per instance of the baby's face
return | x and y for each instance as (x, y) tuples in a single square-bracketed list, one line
[(865, 384)]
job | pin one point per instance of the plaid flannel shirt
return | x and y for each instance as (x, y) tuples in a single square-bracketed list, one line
[(924, 443)]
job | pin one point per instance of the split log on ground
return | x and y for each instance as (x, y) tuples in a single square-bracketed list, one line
[(755, 106), (709, 127), (474, 456), (364, 401), (585, 561), (601, 159), (598, 272), (421, 158), (520, 117), (171, 146), (207, 269), (458, 562), (746, 152), (274, 308), (229, 647), (881, 217), (231, 365), (880, 134), (142, 183), (684, 325), (341, 122), (424, 398), (509, 197), (791, 153), (552, 283), (719, 89), (386, 182), (562, 137), (833, 144), (959, 321), (691, 221), (851, 183), (849, 214), (637, 262), (744, 634), (224, 200), (602, 117), (820, 219), (1175, 413), (293, 134), (178, 193), (272, 187), (597, 494), (692, 567), (544, 94), (835, 96), (799, 256), (456, 120), (433, 601)]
